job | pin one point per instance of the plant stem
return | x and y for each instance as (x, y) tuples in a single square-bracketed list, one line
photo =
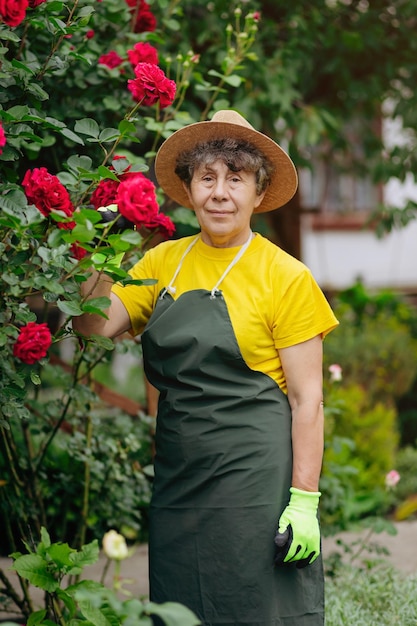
[(87, 480)]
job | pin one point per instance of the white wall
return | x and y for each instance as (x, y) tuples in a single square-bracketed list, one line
[(338, 258)]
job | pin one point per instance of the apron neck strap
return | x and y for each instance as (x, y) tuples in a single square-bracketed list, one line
[(215, 289), (170, 287), (239, 255)]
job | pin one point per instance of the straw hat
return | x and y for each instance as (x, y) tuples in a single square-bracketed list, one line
[(227, 123)]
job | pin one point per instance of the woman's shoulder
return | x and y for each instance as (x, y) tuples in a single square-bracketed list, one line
[(277, 258), (169, 248)]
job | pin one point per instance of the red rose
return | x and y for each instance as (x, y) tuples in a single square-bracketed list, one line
[(77, 251), (105, 193), (136, 199), (143, 52), (163, 223), (145, 20), (151, 85), (46, 192), (2, 138), (35, 3), (110, 59), (90, 34), (13, 12), (32, 343)]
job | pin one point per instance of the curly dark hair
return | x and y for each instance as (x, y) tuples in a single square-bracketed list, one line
[(237, 154)]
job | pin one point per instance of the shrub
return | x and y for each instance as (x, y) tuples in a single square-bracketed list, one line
[(360, 448), (365, 597), (379, 354)]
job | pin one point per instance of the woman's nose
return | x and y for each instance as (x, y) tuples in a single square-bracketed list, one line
[(220, 189)]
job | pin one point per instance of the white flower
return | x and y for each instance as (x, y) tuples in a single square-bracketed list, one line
[(391, 479), (335, 372), (114, 546)]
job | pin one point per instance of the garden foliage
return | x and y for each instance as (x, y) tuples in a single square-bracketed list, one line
[(376, 349), (88, 91)]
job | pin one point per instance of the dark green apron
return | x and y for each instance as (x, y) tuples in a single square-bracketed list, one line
[(222, 474)]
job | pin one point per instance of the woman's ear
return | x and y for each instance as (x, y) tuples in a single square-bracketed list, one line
[(259, 199)]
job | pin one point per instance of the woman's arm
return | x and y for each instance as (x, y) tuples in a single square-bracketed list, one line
[(302, 365), (118, 321)]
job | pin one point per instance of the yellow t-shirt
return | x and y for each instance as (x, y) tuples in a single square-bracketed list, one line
[(272, 298)]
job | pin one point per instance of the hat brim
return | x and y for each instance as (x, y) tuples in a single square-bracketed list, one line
[(284, 180)]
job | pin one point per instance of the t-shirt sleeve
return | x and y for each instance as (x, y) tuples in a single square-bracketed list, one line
[(139, 300), (301, 311)]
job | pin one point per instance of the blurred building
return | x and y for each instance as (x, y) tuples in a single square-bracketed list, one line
[(336, 240)]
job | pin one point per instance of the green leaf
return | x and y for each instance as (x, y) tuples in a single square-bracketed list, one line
[(60, 554), (51, 121), (136, 281), (15, 200), (9, 35), (103, 342), (18, 112), (131, 236), (234, 80), (69, 308), (173, 614), (75, 162), (89, 553), (34, 568), (37, 91), (21, 66), (45, 538), (85, 11), (87, 126), (125, 127), (93, 614), (109, 134), (101, 303), (67, 599), (70, 135), (35, 378), (105, 172), (83, 232), (36, 618)]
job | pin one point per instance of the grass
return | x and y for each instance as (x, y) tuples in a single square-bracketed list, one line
[(376, 596)]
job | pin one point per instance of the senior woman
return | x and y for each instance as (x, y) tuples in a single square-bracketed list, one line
[(232, 339)]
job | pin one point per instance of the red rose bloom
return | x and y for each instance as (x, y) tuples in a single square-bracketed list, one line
[(105, 193), (32, 343), (145, 21), (46, 192), (110, 59), (143, 52), (151, 85), (136, 199), (77, 251), (13, 12), (2, 138), (163, 223), (90, 34)]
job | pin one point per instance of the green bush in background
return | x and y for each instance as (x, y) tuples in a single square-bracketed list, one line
[(376, 348)]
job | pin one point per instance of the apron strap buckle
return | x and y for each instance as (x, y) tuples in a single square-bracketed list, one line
[(214, 293)]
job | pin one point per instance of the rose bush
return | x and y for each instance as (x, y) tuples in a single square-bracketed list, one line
[(87, 94)]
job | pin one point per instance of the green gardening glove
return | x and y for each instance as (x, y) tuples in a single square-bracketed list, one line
[(298, 536)]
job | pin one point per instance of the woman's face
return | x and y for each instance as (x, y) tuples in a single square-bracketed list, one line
[(223, 202)]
